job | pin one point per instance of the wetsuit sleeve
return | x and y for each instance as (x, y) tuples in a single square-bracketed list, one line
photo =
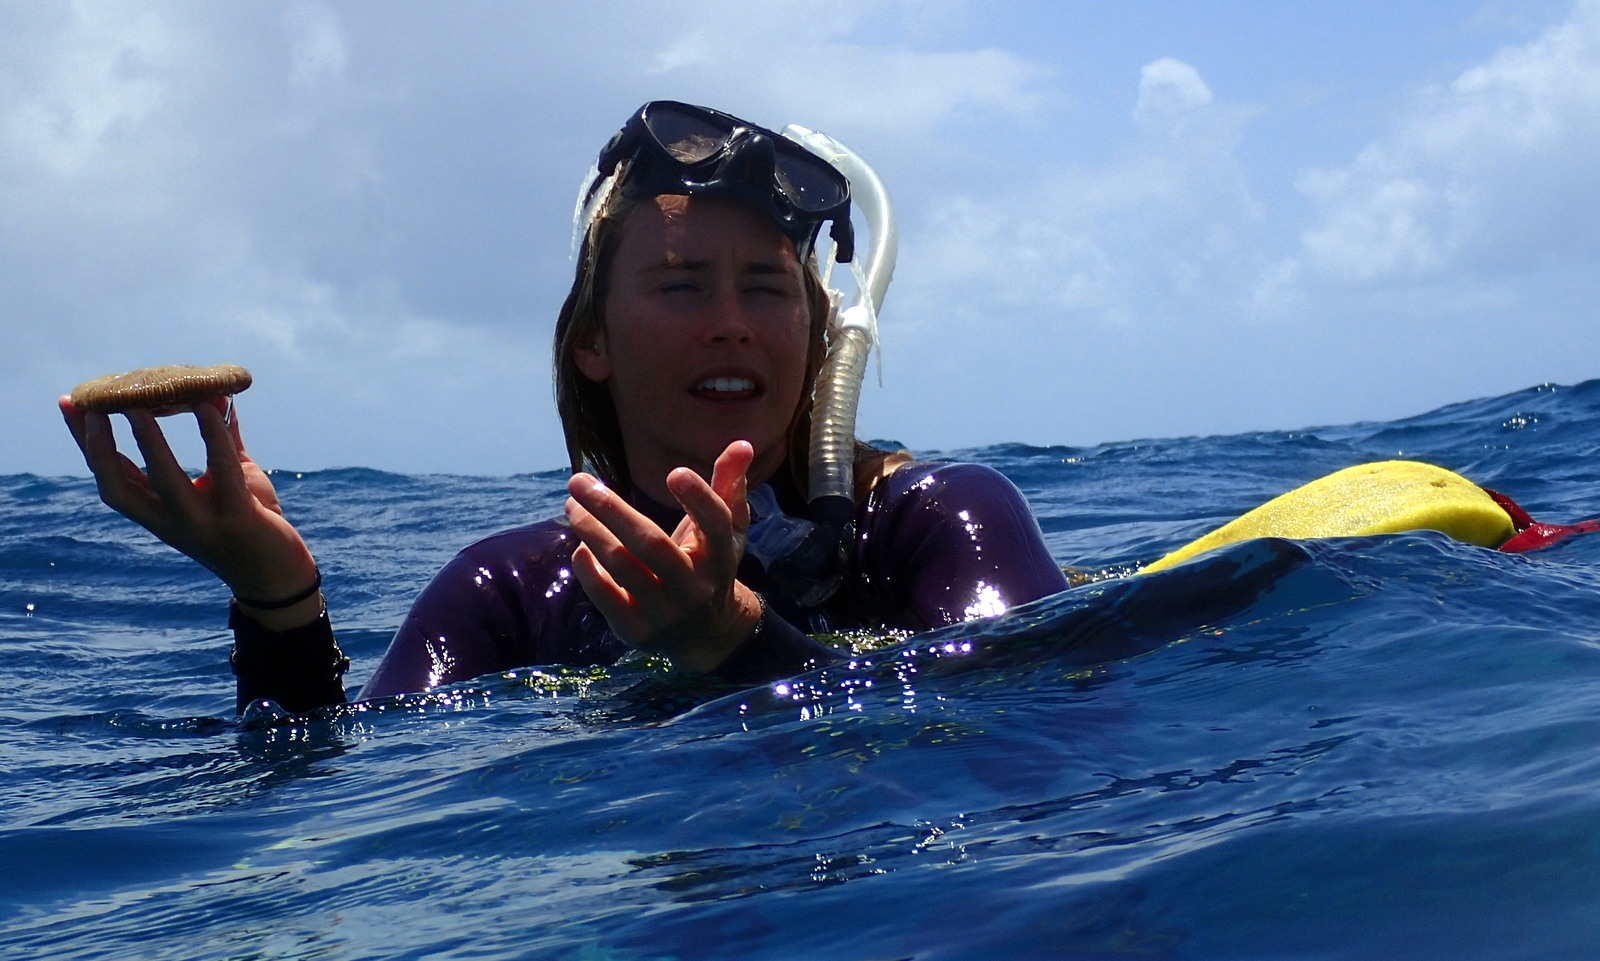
[(301, 669), (952, 542), (459, 627), (774, 649), (507, 601)]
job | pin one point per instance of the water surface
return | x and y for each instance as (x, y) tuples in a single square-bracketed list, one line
[(1358, 748)]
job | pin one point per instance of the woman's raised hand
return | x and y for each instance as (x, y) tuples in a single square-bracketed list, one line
[(228, 518), (674, 594)]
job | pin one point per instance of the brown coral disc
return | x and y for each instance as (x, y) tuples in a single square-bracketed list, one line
[(162, 390)]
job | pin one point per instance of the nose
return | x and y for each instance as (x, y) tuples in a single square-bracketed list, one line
[(726, 319)]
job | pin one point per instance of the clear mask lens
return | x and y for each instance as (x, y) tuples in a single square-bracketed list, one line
[(805, 180), (689, 139), (806, 186)]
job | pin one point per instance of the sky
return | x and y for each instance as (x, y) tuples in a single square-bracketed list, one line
[(1118, 221)]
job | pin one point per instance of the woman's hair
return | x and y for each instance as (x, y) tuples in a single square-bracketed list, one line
[(588, 417)]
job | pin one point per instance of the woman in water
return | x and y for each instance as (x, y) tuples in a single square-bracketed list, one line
[(685, 358)]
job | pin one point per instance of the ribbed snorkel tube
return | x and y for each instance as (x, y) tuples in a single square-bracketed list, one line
[(852, 334)]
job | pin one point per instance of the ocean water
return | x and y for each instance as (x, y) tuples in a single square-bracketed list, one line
[(1358, 748)]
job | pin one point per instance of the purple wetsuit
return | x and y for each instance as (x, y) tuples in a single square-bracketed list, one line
[(934, 544)]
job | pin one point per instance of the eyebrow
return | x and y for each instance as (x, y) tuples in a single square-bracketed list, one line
[(673, 262)]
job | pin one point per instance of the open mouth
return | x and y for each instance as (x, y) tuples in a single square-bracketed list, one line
[(725, 388)]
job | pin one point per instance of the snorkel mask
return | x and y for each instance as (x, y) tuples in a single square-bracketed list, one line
[(678, 148)]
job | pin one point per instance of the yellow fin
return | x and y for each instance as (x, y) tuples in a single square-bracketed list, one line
[(1382, 498)]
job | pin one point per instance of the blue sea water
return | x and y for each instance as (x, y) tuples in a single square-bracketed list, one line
[(1358, 748)]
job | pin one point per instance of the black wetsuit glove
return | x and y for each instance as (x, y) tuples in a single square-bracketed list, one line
[(300, 669)]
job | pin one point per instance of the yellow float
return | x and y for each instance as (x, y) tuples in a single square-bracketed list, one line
[(1386, 497)]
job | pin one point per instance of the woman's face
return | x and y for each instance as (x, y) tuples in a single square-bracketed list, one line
[(704, 338)]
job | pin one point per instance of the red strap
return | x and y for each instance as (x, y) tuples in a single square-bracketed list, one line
[(1531, 534)]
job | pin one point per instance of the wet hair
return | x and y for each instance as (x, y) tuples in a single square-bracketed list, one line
[(588, 416)]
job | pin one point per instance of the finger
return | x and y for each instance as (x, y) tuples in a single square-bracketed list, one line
[(729, 486), (92, 432), (634, 531), (732, 466), (74, 418), (122, 486), (223, 452), (120, 482), (99, 446), (708, 512), (609, 598), (167, 478), (623, 568), (231, 417), (730, 478), (722, 508)]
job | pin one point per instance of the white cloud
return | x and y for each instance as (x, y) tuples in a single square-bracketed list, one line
[(87, 89), (792, 60), (318, 52), (1489, 176), (1119, 243), (1171, 93)]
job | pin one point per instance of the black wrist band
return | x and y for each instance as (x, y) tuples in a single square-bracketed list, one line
[(316, 585)]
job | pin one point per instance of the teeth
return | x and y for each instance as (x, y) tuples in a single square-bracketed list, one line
[(729, 384)]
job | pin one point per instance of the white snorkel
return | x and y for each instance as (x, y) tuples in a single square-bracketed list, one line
[(853, 331), (809, 557)]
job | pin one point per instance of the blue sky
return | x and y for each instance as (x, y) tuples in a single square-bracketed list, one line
[(1118, 220)]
